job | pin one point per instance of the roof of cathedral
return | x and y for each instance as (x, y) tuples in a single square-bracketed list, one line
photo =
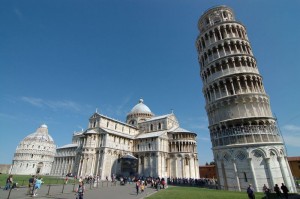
[(91, 132), (158, 117), (115, 120), (181, 130), (41, 134), (118, 133), (159, 133), (152, 134), (67, 146), (140, 108)]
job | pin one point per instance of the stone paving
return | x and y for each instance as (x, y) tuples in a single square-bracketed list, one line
[(105, 190)]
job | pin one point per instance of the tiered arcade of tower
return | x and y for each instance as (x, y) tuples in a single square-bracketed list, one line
[(247, 144)]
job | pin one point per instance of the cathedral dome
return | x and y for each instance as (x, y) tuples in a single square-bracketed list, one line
[(139, 113), (140, 108)]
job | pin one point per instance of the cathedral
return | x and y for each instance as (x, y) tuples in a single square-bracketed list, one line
[(144, 145)]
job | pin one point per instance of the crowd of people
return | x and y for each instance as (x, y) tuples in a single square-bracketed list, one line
[(35, 183), (193, 182), (267, 191)]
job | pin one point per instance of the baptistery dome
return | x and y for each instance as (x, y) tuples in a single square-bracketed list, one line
[(138, 113), (35, 153)]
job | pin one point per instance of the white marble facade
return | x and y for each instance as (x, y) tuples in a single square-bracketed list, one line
[(159, 145), (34, 154), (247, 145)]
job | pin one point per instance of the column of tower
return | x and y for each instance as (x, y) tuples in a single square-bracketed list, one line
[(243, 131)]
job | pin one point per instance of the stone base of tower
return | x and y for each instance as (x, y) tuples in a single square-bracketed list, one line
[(239, 166)]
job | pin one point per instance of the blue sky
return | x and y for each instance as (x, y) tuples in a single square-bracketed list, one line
[(60, 60)]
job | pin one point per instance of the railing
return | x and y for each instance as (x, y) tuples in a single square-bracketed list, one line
[(246, 134), (57, 187)]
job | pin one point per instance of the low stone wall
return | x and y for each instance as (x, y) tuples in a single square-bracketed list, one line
[(4, 168)]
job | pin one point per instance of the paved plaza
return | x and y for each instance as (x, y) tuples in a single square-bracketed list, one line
[(104, 190)]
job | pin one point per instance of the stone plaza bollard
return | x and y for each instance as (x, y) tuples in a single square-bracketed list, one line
[(49, 186)]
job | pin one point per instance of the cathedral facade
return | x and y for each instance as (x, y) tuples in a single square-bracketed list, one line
[(246, 141), (144, 145)]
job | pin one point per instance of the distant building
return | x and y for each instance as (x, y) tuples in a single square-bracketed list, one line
[(246, 142), (144, 145), (208, 171), (34, 154), (294, 163)]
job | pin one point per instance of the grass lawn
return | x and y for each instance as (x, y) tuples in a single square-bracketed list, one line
[(22, 180), (201, 193)]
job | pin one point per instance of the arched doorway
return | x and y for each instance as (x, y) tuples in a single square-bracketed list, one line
[(129, 165), (39, 168)]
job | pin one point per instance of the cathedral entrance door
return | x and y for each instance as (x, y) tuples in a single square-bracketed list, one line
[(129, 165)]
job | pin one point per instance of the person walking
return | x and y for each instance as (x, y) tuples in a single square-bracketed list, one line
[(80, 190), (66, 179), (285, 190), (9, 182), (142, 187), (137, 186), (37, 185), (250, 192), (30, 185)]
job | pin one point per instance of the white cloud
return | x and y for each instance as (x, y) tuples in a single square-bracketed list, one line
[(196, 123), (117, 111), (206, 139), (291, 135), (18, 13), (33, 101), (290, 127), (292, 140), (7, 116), (63, 104)]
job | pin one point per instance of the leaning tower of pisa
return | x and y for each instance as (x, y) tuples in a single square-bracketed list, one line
[(246, 142)]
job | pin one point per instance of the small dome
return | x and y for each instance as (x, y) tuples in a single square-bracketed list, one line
[(41, 134), (140, 108)]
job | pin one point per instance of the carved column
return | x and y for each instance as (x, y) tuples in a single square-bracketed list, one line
[(253, 174)]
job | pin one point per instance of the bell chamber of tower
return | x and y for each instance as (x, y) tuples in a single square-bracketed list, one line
[(241, 124)]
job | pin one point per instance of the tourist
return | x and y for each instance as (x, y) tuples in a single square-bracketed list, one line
[(80, 190), (142, 187), (250, 192), (163, 182), (80, 179), (30, 185), (37, 185), (67, 179), (277, 191), (9, 182), (157, 184), (137, 186), (285, 190), (266, 191)]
